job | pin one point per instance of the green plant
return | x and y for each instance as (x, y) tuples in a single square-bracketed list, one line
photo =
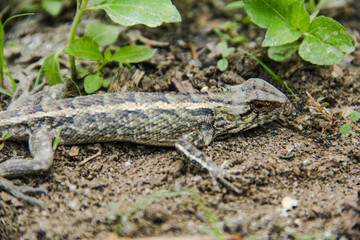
[(53, 7), (350, 123), (213, 229), (225, 51), (4, 73), (320, 107), (228, 33), (5, 135), (290, 28), (313, 6), (57, 139), (124, 12)]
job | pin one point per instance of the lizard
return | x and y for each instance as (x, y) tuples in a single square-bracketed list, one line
[(186, 122)]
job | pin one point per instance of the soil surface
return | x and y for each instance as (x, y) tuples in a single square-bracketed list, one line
[(299, 181)]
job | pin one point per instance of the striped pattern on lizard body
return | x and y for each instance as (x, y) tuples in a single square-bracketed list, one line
[(159, 119)]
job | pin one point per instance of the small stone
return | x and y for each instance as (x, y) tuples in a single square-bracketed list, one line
[(289, 203), (74, 151)]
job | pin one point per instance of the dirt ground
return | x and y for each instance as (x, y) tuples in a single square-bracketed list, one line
[(299, 183)]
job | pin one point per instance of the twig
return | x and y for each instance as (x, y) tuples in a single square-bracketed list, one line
[(90, 158), (323, 111)]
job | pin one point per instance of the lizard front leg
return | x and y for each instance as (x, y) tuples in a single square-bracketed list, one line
[(40, 145), (187, 147)]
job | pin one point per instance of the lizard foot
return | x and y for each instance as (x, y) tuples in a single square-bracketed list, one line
[(226, 177), (20, 191)]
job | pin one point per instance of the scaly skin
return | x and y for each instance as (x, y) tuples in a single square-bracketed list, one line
[(160, 119)]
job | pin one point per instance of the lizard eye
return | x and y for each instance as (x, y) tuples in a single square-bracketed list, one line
[(260, 106)]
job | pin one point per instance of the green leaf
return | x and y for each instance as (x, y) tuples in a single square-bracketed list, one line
[(105, 83), (92, 3), (234, 5), (107, 55), (265, 12), (102, 34), (228, 52), (283, 52), (297, 16), (280, 33), (320, 99), (285, 19), (132, 54), (354, 116), (333, 33), (92, 83), (318, 52), (6, 92), (84, 49), (345, 129), (51, 69), (326, 42), (222, 64), (6, 135), (53, 7), (222, 46), (314, 15), (2, 60), (57, 139), (149, 12), (324, 104)]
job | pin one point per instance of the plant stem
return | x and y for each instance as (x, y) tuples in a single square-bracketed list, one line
[(80, 10)]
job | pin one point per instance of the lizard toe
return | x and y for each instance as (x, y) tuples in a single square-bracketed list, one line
[(20, 191)]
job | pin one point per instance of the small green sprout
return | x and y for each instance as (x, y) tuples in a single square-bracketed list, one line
[(4, 73), (5, 135), (225, 51), (321, 108), (57, 139), (123, 12), (290, 28), (228, 33), (346, 128)]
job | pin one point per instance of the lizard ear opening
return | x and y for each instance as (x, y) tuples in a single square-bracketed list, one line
[(229, 117)]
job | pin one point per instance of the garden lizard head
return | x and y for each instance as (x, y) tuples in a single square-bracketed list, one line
[(248, 105)]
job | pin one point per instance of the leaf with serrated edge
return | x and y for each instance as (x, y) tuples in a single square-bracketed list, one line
[(332, 32), (317, 52), (264, 12)]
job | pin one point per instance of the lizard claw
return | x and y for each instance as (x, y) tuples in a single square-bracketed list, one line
[(20, 191), (224, 176)]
